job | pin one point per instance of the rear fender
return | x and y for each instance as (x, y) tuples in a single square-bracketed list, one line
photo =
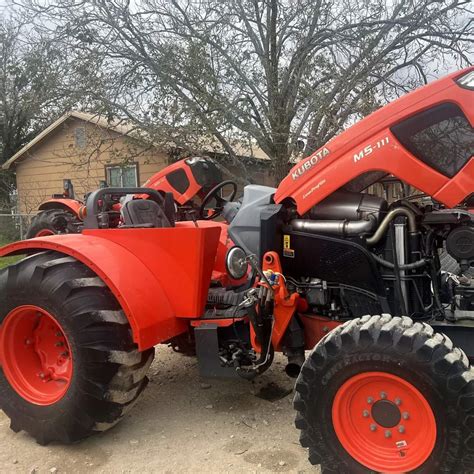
[(160, 277), (70, 205)]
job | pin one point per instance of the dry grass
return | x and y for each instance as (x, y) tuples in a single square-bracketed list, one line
[(5, 261)]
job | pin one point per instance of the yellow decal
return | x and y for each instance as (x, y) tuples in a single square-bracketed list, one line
[(287, 250)]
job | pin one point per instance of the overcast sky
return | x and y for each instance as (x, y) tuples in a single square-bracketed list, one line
[(440, 71)]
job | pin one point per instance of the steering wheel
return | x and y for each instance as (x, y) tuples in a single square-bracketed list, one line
[(220, 201)]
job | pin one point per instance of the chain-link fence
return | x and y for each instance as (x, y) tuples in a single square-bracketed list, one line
[(13, 226)]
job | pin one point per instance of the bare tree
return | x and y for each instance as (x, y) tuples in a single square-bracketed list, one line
[(285, 75), (32, 73)]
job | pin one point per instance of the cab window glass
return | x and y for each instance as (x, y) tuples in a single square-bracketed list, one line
[(178, 180), (441, 137)]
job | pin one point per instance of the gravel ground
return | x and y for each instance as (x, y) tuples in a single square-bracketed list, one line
[(181, 424)]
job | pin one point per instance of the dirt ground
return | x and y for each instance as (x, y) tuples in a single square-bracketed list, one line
[(181, 424)]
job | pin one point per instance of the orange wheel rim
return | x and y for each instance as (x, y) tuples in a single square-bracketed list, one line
[(44, 233), (384, 422), (35, 355)]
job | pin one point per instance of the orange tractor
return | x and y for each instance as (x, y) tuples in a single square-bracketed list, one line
[(315, 265), (184, 180)]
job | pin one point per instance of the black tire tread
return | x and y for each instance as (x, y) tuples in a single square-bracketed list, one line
[(116, 370), (48, 219), (404, 336)]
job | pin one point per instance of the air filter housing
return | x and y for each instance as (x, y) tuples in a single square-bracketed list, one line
[(460, 244)]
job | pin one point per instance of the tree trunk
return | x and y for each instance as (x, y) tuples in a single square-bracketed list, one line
[(280, 165)]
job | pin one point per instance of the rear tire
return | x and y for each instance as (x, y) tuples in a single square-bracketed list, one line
[(435, 387), (108, 371), (50, 222)]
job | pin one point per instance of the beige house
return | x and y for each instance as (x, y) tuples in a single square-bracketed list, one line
[(89, 150)]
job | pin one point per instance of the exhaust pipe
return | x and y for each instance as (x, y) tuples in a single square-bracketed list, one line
[(295, 344), (382, 229), (342, 228), (295, 362)]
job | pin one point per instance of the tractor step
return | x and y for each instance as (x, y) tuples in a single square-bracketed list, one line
[(207, 351)]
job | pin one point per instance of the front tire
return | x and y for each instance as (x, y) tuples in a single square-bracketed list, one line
[(69, 364), (383, 394)]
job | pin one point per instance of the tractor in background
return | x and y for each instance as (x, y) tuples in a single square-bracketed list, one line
[(186, 180), (317, 265)]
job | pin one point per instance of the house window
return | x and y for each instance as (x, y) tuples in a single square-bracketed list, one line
[(122, 176), (80, 138)]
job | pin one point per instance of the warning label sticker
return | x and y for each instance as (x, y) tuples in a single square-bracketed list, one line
[(287, 250)]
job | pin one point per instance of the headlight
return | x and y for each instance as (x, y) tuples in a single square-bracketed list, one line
[(236, 263), (467, 81)]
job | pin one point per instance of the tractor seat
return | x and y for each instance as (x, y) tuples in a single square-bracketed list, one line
[(145, 213)]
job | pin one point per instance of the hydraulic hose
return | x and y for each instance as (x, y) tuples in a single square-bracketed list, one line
[(407, 266)]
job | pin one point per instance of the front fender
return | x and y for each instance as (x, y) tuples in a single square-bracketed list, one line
[(160, 277)]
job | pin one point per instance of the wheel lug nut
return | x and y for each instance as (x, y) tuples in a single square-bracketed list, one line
[(398, 401), (388, 434), (383, 395), (28, 342), (401, 429), (405, 415), (373, 427), (370, 400), (42, 375), (365, 413)]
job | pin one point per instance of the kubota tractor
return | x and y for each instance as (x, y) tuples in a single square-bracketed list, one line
[(315, 265), (185, 179)]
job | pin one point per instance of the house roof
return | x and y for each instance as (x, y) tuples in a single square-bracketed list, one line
[(123, 128), (120, 127)]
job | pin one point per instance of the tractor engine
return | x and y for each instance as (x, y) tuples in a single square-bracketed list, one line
[(353, 254)]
